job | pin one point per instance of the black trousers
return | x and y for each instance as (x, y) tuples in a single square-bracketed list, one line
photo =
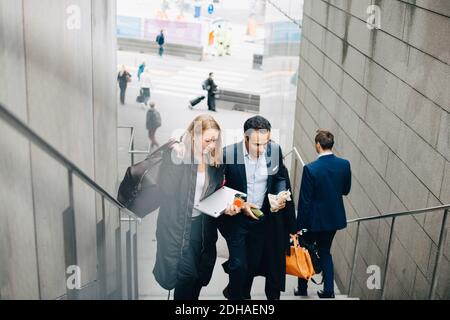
[(211, 101), (146, 95), (123, 89), (324, 242), (246, 242), (188, 284)]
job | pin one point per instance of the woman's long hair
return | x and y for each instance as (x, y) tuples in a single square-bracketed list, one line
[(122, 70), (193, 138)]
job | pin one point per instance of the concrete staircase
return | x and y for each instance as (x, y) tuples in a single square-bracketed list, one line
[(150, 290), (219, 280), (214, 290)]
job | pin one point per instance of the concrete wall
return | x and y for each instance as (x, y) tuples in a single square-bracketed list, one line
[(61, 82), (385, 95)]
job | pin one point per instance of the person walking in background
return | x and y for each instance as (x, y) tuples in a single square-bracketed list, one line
[(220, 41), (321, 207), (228, 40), (123, 78), (211, 42), (140, 70), (146, 85), (186, 238), (160, 40), (210, 86), (153, 122)]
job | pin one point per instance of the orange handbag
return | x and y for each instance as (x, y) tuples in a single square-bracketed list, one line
[(299, 263)]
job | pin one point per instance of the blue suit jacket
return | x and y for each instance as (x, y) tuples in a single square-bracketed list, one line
[(320, 204)]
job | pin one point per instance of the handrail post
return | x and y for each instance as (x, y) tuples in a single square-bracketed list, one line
[(135, 254), (388, 258), (101, 252), (294, 192), (132, 146), (439, 253), (129, 262), (118, 238), (70, 240), (355, 250)]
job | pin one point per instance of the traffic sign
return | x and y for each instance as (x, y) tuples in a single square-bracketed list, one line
[(210, 8)]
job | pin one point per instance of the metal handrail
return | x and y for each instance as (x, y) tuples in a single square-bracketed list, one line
[(399, 214), (69, 226), (131, 149), (394, 216), (297, 154), (26, 131)]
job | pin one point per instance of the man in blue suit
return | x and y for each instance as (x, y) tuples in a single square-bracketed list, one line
[(321, 206)]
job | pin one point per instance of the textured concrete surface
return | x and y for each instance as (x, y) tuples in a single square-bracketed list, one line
[(62, 85), (384, 95)]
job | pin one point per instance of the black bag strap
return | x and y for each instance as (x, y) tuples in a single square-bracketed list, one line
[(165, 146), (315, 282)]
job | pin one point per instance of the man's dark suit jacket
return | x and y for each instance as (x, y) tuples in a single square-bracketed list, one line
[(278, 225), (320, 204), (235, 174)]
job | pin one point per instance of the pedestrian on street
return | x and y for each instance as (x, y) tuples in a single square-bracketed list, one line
[(123, 78), (141, 69), (153, 122), (220, 41), (160, 40), (210, 86), (146, 85), (228, 40), (211, 41)]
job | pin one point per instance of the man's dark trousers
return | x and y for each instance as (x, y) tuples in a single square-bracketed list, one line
[(212, 101), (324, 241), (246, 245)]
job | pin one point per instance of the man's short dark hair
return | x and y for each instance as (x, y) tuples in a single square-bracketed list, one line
[(325, 138), (210, 74), (257, 123)]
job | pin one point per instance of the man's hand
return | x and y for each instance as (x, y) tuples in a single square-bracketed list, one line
[(277, 205), (232, 210), (278, 202), (248, 212)]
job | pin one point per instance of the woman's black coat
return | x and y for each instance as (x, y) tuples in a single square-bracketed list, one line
[(178, 182)]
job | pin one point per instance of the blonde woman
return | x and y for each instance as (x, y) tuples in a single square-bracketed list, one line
[(186, 238)]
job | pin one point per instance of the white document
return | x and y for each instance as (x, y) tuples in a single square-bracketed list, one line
[(215, 204)]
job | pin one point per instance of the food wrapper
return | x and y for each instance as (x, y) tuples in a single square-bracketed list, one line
[(276, 201)]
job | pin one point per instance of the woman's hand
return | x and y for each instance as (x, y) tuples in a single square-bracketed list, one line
[(232, 210)]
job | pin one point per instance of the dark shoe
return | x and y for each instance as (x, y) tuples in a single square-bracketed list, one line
[(300, 293), (324, 295)]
